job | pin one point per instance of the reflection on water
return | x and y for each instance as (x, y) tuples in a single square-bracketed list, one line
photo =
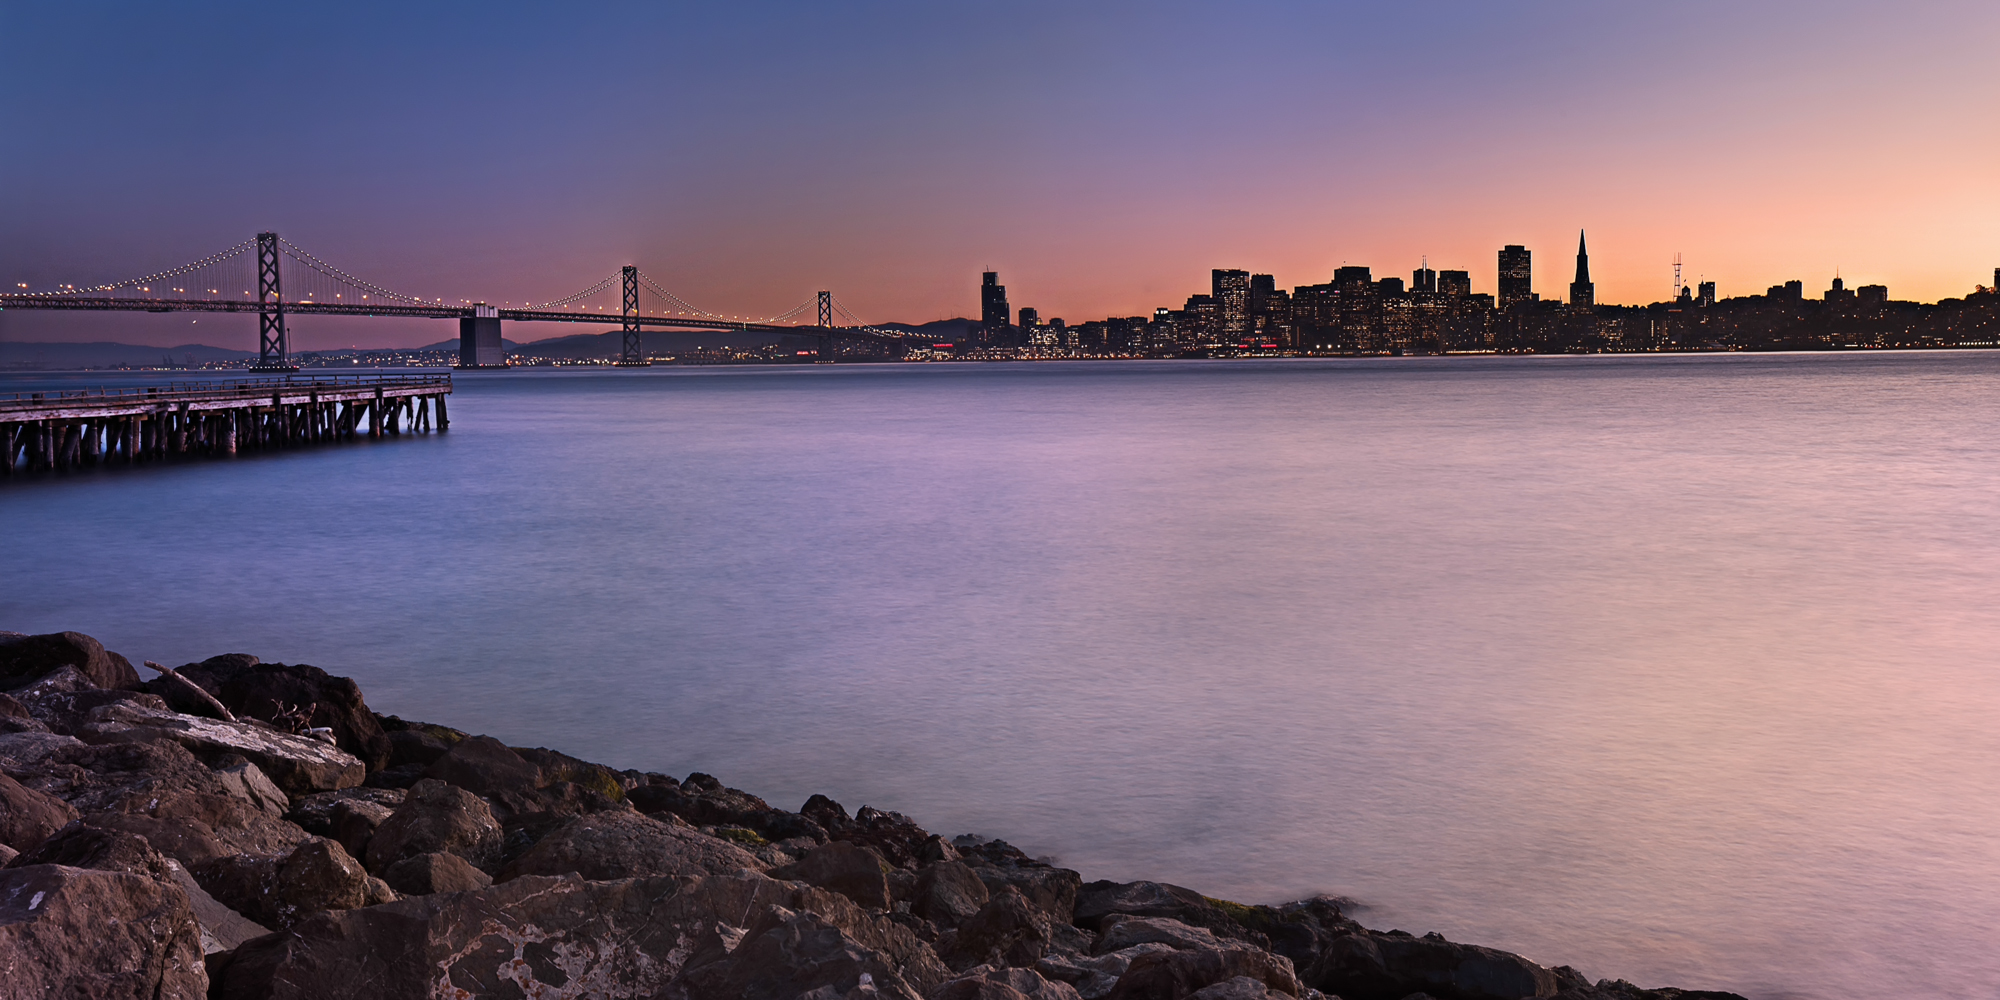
[(1680, 670)]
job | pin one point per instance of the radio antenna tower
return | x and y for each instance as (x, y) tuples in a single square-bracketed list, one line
[(1677, 276)]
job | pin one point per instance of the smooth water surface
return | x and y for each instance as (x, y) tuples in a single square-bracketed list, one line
[(1681, 670)]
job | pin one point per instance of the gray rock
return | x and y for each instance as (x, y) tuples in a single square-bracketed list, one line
[(24, 658), (1239, 988), (28, 817), (947, 893), (435, 872), (76, 933), (1008, 931), (1177, 974), (553, 937), (248, 782), (1096, 976), (435, 816), (849, 869), (80, 845), (1098, 900), (28, 751), (786, 954), (158, 790), (1004, 984), (296, 764), (1122, 932), (279, 892), (624, 844)]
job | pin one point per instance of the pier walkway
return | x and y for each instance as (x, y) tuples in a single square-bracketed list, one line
[(66, 430)]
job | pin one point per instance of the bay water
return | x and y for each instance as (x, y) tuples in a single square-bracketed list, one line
[(1683, 670)]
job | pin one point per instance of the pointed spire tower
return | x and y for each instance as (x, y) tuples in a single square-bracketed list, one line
[(1582, 294)]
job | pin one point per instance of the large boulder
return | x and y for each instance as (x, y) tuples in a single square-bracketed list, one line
[(279, 892), (434, 872), (1004, 984), (63, 699), (28, 750), (1122, 932), (158, 790), (248, 782), (266, 691), (846, 868), (1008, 931), (786, 955), (1094, 976), (1367, 965), (1175, 975), (350, 815), (554, 937), (1099, 900), (435, 816), (298, 765), (947, 894), (83, 846), (28, 817), (95, 935), (528, 787), (24, 658), (624, 844)]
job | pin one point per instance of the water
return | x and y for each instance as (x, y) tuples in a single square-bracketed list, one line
[(1681, 670)]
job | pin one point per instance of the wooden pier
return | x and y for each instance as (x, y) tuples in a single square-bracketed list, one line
[(74, 429)]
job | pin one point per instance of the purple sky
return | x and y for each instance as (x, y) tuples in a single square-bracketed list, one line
[(1102, 157)]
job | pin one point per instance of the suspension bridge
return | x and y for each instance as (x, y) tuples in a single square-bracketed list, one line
[(274, 278)]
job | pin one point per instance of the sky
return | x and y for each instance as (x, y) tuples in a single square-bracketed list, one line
[(1101, 156)]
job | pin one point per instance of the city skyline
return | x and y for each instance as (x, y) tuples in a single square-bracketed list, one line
[(887, 150)]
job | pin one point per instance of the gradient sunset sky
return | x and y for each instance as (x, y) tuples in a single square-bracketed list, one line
[(1102, 157)]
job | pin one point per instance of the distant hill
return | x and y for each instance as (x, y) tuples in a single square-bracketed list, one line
[(580, 346), (107, 354), (943, 331)]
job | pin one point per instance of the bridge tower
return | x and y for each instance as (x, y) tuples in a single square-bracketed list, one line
[(274, 348), (826, 350), (633, 353)]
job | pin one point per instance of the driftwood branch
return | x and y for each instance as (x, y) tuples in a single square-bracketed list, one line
[(194, 691)]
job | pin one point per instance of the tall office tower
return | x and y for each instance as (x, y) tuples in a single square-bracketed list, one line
[(1582, 294), (1706, 295), (1262, 288), (992, 304), (1231, 291), (1030, 316), (1424, 279), (1517, 274), (1456, 284), (1351, 279)]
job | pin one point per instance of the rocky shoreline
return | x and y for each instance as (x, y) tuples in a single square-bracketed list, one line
[(242, 830)]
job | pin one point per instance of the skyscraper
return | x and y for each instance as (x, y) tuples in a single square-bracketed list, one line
[(1516, 275), (993, 315), (1424, 279), (1262, 288), (1582, 294), (1231, 291), (1456, 284)]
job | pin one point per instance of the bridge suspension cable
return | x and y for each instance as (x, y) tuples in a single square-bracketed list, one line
[(569, 300), (335, 277), (209, 268)]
